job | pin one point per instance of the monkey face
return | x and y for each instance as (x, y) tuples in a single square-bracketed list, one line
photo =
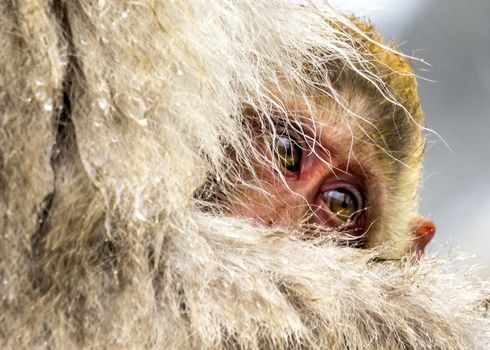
[(306, 184), (312, 172), (321, 166), (309, 172)]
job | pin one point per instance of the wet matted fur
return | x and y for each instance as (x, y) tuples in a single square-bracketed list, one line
[(113, 115)]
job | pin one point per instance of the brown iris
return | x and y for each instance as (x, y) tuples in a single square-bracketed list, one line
[(287, 152), (342, 202)]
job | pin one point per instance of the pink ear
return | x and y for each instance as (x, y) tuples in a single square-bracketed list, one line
[(423, 231)]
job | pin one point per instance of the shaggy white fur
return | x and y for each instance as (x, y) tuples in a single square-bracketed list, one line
[(113, 115)]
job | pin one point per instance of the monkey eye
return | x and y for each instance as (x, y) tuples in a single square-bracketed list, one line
[(287, 151), (343, 203)]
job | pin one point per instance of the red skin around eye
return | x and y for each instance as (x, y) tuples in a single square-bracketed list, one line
[(334, 156), (291, 197), (296, 196)]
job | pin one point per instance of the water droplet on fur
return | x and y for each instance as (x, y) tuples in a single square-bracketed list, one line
[(63, 59), (142, 122), (125, 14), (39, 82), (180, 72), (103, 104), (140, 214), (139, 210), (48, 105), (137, 110)]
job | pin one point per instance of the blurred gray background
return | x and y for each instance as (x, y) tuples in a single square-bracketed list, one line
[(453, 36)]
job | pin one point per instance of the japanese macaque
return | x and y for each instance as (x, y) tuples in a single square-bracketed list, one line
[(347, 165), (185, 175), (342, 158)]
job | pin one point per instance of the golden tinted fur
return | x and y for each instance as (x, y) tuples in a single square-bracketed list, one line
[(113, 114)]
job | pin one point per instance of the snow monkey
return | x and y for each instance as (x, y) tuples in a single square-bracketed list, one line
[(346, 160)]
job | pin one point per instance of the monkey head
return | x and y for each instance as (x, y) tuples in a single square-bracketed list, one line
[(346, 160)]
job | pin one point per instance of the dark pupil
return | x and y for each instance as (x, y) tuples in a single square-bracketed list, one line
[(287, 152), (342, 203)]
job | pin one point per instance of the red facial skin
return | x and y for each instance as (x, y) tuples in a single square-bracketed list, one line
[(297, 196), (329, 161)]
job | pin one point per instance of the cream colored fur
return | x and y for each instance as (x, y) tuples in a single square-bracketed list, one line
[(112, 115)]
